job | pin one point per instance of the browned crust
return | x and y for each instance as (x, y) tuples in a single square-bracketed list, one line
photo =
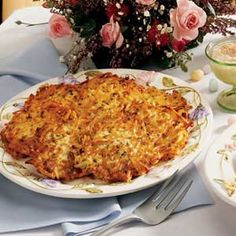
[(108, 127)]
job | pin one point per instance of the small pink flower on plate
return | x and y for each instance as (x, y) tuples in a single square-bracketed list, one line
[(198, 113), (111, 33), (59, 26), (186, 19), (146, 77), (231, 120), (231, 147)]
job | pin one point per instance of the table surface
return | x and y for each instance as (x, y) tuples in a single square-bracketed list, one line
[(216, 220)]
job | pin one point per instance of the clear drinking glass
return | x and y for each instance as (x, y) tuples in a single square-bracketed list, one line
[(224, 67)]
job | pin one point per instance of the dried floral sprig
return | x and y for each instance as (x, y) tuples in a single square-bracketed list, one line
[(220, 25), (225, 7)]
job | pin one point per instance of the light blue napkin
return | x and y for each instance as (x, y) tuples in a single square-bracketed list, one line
[(22, 209), (37, 63)]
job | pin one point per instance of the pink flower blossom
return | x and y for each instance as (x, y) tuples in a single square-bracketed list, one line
[(146, 77), (186, 19), (59, 26), (111, 34), (231, 147), (146, 2), (231, 120)]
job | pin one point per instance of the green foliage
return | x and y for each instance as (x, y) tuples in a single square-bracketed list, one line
[(88, 29), (168, 82), (82, 24)]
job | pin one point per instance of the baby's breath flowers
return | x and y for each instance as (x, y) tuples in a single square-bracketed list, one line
[(129, 33)]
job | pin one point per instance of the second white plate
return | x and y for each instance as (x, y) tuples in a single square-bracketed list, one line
[(220, 165)]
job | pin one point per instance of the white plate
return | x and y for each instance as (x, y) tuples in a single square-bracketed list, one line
[(220, 165), (21, 174)]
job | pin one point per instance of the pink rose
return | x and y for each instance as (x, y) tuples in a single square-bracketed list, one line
[(111, 34), (145, 2), (186, 19), (59, 26)]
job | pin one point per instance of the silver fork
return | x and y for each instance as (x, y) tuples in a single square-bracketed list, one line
[(158, 206)]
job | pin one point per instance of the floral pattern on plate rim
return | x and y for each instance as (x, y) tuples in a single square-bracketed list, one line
[(225, 154), (19, 168)]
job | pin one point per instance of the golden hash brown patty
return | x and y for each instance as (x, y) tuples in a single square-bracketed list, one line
[(108, 127)]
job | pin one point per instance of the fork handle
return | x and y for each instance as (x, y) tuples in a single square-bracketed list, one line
[(117, 222)]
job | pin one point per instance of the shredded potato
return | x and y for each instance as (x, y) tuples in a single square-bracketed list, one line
[(108, 127)]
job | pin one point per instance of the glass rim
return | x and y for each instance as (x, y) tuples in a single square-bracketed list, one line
[(214, 44)]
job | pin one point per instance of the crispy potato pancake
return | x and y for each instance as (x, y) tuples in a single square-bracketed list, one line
[(107, 127)]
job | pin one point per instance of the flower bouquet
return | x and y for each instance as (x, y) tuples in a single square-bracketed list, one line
[(129, 33)]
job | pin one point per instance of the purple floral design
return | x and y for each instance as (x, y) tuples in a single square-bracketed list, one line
[(68, 79), (199, 113), (50, 182)]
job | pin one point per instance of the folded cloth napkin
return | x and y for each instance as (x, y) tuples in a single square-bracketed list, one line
[(22, 209), (35, 64)]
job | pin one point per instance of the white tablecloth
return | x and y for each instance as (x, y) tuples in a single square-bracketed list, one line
[(216, 220)]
